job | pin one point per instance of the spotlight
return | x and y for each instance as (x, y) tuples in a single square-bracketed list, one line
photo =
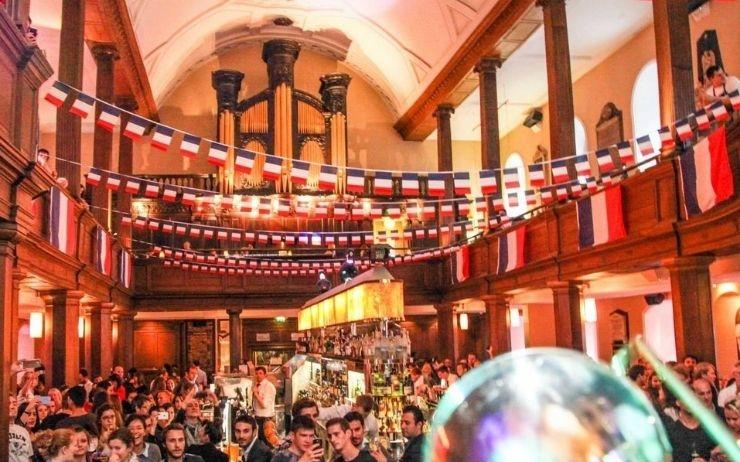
[(348, 270), (323, 284)]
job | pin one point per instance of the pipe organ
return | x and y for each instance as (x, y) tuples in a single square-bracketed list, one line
[(281, 120)]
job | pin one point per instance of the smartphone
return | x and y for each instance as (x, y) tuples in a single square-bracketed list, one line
[(317, 441), (31, 363), (163, 415), (45, 400)]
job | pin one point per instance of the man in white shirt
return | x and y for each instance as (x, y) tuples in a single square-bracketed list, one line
[(720, 85), (201, 377), (263, 399), (19, 440), (730, 391)]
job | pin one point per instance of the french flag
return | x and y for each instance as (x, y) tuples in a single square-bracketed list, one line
[(462, 264), (393, 210), (488, 183), (109, 118), (355, 180), (461, 181), (592, 184), (62, 229), (132, 186), (446, 210), (113, 182), (702, 120), (706, 174), (530, 197), (735, 100), (58, 94), (82, 105), (376, 211), (666, 138), (511, 250), (428, 211), (321, 210), (340, 211), (102, 251), (135, 127), (536, 175), (560, 170), (436, 184), (513, 199), (412, 211), (383, 183), (683, 129), (273, 168), (162, 137), (511, 178), (583, 167), (244, 161), (299, 172), (327, 177), (463, 207), (217, 154), (94, 176), (188, 196), (125, 269), (600, 218), (546, 195), (410, 184), (151, 189), (283, 207), (645, 145), (604, 159), (719, 112), (498, 204), (302, 210), (481, 204), (576, 188), (189, 146), (170, 193), (626, 155)]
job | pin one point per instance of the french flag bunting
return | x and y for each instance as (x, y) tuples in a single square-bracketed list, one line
[(583, 167), (273, 168), (498, 204), (376, 211), (62, 228), (600, 218), (462, 264), (162, 137), (57, 94), (645, 145), (735, 100), (420, 233), (302, 210), (481, 204), (151, 189), (132, 186), (666, 138), (321, 210), (463, 207), (170, 193), (446, 210), (706, 174), (167, 227), (432, 233), (546, 195), (190, 145), (283, 207), (531, 197), (94, 176), (702, 120), (327, 177), (592, 184), (511, 178), (536, 175), (153, 224), (227, 202), (355, 180), (244, 161), (683, 130), (181, 229), (576, 188), (560, 170), (188, 196), (719, 112), (135, 127), (299, 172), (410, 184), (561, 192), (604, 159), (265, 206), (513, 199), (340, 211), (82, 105), (140, 222), (428, 210), (222, 235), (626, 155), (412, 211), (383, 183), (436, 184), (109, 118), (511, 250), (488, 182), (217, 154), (126, 221), (125, 269), (461, 181), (113, 182), (393, 210)]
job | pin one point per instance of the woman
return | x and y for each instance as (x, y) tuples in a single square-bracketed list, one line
[(56, 400), (121, 446), (732, 420), (62, 446), (41, 442), (43, 411), (137, 426), (81, 446), (655, 391), (27, 417)]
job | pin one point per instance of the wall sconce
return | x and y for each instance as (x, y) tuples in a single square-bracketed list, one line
[(36, 324), (515, 317), (81, 327), (589, 310), (464, 321), (280, 319)]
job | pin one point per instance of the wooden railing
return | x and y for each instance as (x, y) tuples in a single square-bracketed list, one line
[(206, 181)]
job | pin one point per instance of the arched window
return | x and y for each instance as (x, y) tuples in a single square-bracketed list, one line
[(646, 108), (515, 161), (580, 132)]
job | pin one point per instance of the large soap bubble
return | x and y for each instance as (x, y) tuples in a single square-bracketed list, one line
[(545, 405)]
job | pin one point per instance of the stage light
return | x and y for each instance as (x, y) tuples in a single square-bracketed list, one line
[(36, 324), (323, 284)]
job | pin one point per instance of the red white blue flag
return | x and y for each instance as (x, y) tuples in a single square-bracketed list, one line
[(461, 181), (244, 160), (189, 146), (135, 127), (583, 167), (626, 155), (162, 137), (299, 172), (436, 184), (62, 228), (340, 211), (536, 175), (600, 218), (132, 186), (273, 168), (355, 180), (94, 176), (170, 193), (383, 183), (102, 251), (412, 211), (511, 250), (327, 177), (462, 264), (604, 159), (217, 154), (683, 130), (488, 182), (702, 120), (125, 269), (666, 138), (560, 170), (463, 207), (82, 105), (109, 118), (511, 178), (645, 145), (446, 210), (410, 184), (719, 112), (151, 189), (58, 94), (706, 174)]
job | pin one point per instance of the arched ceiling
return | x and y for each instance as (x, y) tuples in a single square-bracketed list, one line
[(398, 45)]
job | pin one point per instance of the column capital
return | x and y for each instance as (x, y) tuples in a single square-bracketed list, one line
[(124, 314), (488, 64), (333, 92), (227, 83), (19, 276), (234, 311), (280, 56), (104, 52), (444, 111), (50, 296), (690, 262), (127, 103)]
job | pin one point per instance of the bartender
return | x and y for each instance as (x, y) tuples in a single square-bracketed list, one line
[(263, 400)]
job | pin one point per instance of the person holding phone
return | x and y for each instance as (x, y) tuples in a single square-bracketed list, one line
[(304, 446)]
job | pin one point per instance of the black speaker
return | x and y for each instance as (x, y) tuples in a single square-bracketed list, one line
[(654, 299), (533, 118)]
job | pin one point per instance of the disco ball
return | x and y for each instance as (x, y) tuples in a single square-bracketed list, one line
[(545, 405)]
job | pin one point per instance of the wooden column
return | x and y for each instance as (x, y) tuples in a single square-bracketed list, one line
[(444, 157), (333, 92), (126, 167), (105, 55), (61, 345), (101, 335), (8, 237), (497, 313), (235, 338), (490, 143), (566, 296), (673, 56), (559, 80), (448, 331), (227, 84), (691, 294), (125, 337), (68, 134), (18, 277)]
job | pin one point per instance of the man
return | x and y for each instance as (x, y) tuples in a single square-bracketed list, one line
[(689, 361), (245, 433), (19, 440), (145, 452), (340, 438), (263, 399), (363, 404), (703, 390), (141, 405), (473, 360), (174, 445), (687, 437), (720, 85), (638, 374), (412, 423), (307, 407), (193, 422), (191, 376), (730, 391), (78, 417), (445, 377), (201, 377), (210, 436), (83, 378), (302, 447), (357, 428)]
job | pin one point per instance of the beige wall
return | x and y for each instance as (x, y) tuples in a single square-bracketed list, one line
[(633, 306)]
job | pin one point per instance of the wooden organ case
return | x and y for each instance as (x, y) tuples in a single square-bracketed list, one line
[(283, 121)]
